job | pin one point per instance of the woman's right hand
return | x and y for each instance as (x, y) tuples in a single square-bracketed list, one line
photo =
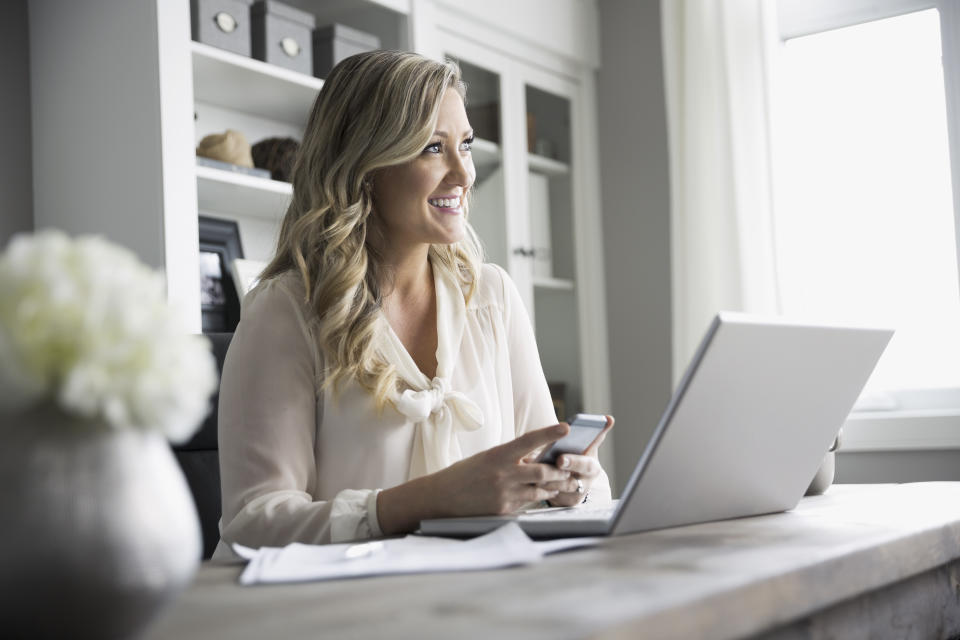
[(499, 480)]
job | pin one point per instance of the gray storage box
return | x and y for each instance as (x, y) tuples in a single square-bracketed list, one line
[(221, 23), (281, 35), (334, 42)]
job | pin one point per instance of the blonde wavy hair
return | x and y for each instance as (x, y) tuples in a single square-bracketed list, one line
[(375, 110)]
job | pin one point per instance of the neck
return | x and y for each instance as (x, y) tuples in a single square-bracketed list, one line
[(410, 271)]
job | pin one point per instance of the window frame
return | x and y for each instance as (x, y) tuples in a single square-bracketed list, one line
[(922, 419)]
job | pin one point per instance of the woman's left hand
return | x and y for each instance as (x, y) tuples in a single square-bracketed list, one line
[(584, 468)]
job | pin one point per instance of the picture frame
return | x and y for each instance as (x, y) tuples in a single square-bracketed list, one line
[(246, 275), (219, 246)]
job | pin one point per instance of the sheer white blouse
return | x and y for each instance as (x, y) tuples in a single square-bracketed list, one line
[(301, 464)]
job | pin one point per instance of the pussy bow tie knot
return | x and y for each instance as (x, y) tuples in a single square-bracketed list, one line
[(436, 402)]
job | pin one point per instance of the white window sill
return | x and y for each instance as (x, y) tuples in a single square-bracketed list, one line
[(901, 430)]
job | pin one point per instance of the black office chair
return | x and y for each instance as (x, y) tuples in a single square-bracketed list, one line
[(200, 463)]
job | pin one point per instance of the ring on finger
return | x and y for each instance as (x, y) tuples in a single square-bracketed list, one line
[(579, 486)]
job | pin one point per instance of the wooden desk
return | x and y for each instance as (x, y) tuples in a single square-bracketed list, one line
[(862, 561)]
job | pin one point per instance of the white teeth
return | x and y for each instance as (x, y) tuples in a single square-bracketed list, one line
[(445, 203)]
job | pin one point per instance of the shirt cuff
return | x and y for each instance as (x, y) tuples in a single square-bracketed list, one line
[(372, 520), (353, 516)]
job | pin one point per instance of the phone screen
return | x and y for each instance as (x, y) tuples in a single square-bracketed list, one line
[(584, 429)]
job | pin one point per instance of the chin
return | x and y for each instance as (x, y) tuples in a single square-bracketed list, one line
[(447, 241), (452, 235)]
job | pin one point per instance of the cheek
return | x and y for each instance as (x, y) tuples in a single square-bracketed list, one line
[(423, 184), (402, 190), (390, 196)]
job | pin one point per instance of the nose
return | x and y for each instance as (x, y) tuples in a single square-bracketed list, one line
[(460, 170)]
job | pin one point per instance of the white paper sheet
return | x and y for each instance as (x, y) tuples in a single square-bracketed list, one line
[(504, 547)]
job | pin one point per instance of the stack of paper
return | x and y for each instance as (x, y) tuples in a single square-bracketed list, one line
[(504, 547)]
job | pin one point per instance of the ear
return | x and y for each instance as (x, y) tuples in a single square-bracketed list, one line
[(366, 190)]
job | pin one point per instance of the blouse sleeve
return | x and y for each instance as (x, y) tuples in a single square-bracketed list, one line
[(267, 433), (533, 407)]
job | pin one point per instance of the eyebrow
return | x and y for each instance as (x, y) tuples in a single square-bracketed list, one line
[(444, 134)]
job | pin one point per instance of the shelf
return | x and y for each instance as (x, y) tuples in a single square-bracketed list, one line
[(237, 82), (556, 284), (399, 6), (485, 152), (236, 194), (486, 157), (547, 166)]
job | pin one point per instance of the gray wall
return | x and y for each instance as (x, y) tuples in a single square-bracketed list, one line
[(636, 222), (16, 173), (96, 121)]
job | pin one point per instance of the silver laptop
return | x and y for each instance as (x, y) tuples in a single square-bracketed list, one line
[(743, 434)]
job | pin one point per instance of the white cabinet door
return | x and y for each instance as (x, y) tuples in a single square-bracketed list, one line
[(533, 212)]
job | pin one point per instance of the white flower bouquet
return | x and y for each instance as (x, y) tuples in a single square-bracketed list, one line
[(84, 325)]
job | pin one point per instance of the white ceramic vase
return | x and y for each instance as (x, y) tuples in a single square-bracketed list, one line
[(99, 529), (825, 474)]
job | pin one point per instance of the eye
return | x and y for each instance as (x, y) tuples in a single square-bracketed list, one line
[(467, 144), (434, 147)]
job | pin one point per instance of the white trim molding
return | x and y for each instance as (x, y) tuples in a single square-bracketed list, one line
[(901, 431), (804, 17)]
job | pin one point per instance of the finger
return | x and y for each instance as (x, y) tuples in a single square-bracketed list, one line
[(566, 500), (539, 474), (583, 466), (595, 445), (566, 486), (536, 494), (538, 438), (561, 486), (573, 489), (533, 455)]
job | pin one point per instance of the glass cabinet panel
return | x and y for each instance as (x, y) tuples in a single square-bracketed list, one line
[(550, 203)]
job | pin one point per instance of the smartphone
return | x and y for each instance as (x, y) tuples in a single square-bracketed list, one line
[(584, 429)]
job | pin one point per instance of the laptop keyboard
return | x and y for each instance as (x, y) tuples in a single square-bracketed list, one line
[(582, 512)]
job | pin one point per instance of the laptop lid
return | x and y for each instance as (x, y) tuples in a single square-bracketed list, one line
[(749, 423), (744, 433)]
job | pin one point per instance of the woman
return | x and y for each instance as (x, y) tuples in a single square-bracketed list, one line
[(381, 374)]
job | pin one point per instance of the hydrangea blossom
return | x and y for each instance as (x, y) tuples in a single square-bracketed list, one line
[(85, 325)]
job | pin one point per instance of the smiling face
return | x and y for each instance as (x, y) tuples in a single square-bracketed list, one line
[(420, 202)]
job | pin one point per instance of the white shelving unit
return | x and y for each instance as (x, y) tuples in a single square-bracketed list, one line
[(237, 82), (236, 194), (261, 100), (166, 92), (547, 166), (229, 89), (557, 284)]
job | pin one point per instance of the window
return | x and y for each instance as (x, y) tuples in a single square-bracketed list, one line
[(864, 217)]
